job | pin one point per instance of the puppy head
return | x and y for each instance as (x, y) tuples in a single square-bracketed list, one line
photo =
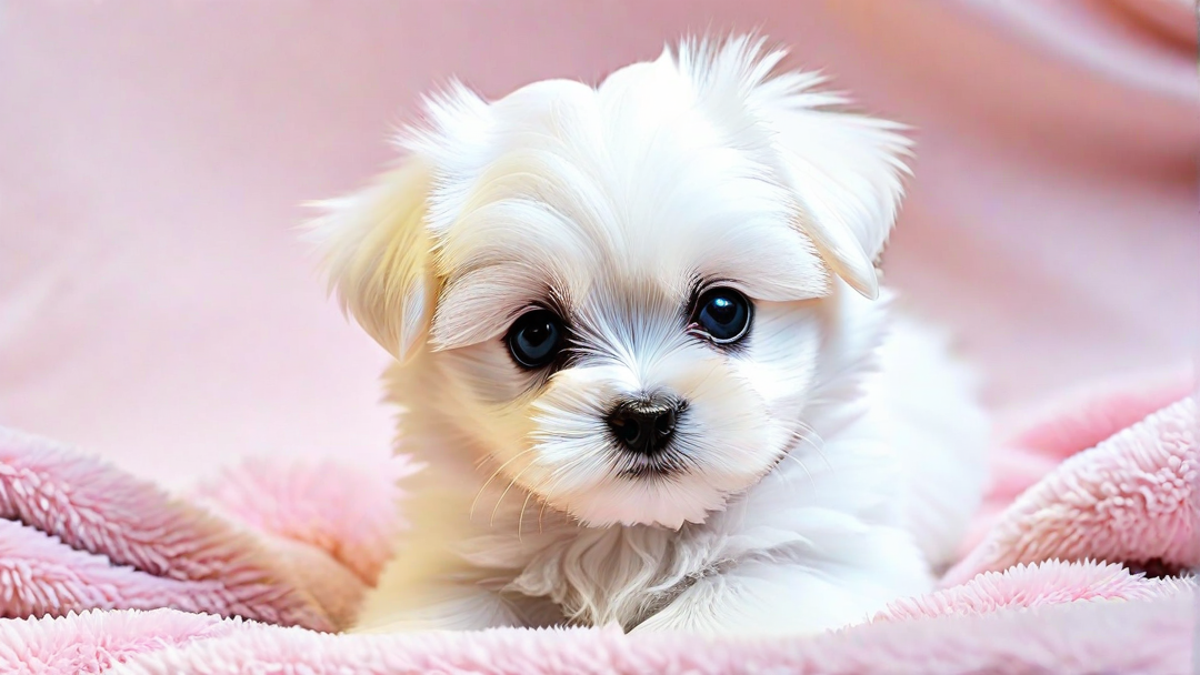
[(620, 288)]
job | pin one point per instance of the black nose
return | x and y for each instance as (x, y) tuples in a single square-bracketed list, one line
[(645, 425)]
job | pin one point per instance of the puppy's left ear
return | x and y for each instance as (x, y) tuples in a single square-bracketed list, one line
[(846, 172), (378, 251)]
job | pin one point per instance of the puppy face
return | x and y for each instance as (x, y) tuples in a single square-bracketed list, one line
[(620, 288)]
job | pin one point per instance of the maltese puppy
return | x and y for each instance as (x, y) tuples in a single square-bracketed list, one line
[(639, 331)]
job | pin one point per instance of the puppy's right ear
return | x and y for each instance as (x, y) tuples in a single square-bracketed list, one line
[(377, 252)]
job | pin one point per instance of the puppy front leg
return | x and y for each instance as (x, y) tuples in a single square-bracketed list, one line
[(462, 606), (444, 607), (762, 598)]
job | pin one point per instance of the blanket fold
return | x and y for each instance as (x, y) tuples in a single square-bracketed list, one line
[(1131, 499), (79, 534), (1078, 563)]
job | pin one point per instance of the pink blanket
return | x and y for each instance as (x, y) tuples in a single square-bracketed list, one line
[(1079, 563)]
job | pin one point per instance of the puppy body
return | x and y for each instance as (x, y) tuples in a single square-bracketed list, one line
[(825, 539), (814, 467)]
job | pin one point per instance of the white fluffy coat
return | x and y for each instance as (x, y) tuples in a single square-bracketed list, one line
[(832, 459)]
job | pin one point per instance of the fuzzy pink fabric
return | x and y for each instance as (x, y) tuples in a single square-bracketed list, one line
[(79, 534), (287, 551)]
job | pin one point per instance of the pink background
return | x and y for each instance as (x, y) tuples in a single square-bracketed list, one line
[(156, 307)]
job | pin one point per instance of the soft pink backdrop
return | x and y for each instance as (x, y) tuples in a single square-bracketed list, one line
[(156, 307)]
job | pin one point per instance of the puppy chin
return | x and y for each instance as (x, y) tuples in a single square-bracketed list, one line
[(649, 500)]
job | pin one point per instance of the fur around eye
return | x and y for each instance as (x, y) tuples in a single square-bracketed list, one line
[(535, 339), (723, 315)]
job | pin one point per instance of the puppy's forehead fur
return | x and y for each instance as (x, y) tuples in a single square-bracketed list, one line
[(567, 194), (704, 164)]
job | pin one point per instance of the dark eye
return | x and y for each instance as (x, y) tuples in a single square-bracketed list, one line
[(723, 314), (535, 338)]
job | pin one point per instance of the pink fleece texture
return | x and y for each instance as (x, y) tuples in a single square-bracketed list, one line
[(79, 534), (252, 571)]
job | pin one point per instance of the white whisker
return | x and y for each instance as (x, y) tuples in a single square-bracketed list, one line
[(479, 492), (511, 483)]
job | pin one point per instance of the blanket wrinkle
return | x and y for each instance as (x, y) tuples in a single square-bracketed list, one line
[(349, 510), (1131, 498), (80, 534), (1148, 636)]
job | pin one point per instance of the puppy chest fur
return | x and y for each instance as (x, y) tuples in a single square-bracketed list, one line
[(641, 326)]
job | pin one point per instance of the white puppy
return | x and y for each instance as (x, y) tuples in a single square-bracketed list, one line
[(639, 329)]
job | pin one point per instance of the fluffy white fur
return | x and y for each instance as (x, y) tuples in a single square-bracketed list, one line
[(832, 461)]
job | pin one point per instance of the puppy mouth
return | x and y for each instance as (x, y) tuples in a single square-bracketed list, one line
[(667, 463), (671, 462)]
